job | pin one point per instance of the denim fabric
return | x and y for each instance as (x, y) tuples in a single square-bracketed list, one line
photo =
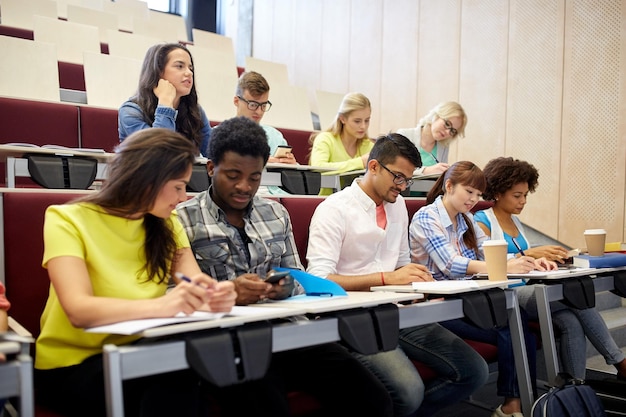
[(572, 347), (573, 325), (404, 384), (459, 368), (501, 337)]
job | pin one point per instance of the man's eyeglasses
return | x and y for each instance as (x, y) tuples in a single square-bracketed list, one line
[(253, 105), (451, 129), (398, 179)]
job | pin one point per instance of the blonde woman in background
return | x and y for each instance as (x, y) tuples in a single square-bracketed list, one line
[(345, 145), (433, 134)]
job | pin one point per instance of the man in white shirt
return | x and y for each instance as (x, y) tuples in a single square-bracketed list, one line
[(359, 238)]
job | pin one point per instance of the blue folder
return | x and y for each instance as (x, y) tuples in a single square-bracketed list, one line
[(314, 285)]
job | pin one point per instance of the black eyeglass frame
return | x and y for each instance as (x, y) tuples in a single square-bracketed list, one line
[(398, 179), (253, 105), (449, 127)]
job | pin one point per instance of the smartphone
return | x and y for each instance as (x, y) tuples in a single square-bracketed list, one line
[(274, 276), (282, 151)]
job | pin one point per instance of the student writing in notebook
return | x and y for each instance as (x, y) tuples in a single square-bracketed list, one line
[(345, 145), (239, 237), (433, 135), (358, 238), (166, 97), (444, 236), (509, 181), (110, 256)]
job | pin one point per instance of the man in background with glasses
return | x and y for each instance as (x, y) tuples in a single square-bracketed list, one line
[(359, 238), (252, 101)]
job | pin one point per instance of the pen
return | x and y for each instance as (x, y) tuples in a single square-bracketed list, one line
[(182, 276), (519, 249), (185, 278)]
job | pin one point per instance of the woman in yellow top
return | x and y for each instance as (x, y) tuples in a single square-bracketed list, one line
[(345, 145), (110, 256)]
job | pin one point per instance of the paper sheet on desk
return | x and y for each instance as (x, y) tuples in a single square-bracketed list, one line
[(559, 273), (135, 326), (444, 285)]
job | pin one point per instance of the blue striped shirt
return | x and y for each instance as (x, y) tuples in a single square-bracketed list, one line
[(436, 244)]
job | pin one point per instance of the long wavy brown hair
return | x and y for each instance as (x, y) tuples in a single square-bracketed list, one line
[(189, 119), (141, 167)]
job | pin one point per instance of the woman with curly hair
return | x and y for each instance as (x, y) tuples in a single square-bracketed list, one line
[(509, 181), (166, 97)]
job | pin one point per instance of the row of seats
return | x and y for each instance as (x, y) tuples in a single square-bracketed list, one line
[(27, 282), (127, 15), (75, 126), (79, 46)]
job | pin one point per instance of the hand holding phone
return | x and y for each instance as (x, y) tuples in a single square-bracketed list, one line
[(273, 276), (282, 151)]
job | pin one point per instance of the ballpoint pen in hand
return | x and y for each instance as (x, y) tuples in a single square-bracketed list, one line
[(519, 248)]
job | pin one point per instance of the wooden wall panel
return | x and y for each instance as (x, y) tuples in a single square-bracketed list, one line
[(335, 48), (540, 80), (263, 29), (483, 69), (307, 41), (439, 53), (366, 55), (533, 109), (593, 149), (399, 71), (439, 59), (283, 35)]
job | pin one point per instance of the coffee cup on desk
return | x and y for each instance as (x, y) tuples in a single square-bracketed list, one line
[(595, 239), (495, 256)]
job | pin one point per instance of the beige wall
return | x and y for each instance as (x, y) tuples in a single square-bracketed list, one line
[(540, 81)]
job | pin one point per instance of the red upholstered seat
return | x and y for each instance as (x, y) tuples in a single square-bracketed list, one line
[(17, 32), (26, 280), (71, 76), (301, 210), (98, 128), (38, 122), (299, 142)]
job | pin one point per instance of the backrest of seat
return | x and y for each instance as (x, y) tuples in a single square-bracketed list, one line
[(327, 107), (290, 107), (110, 80), (98, 128), (169, 27), (129, 45), (19, 13), (71, 39), (26, 281), (301, 210), (38, 122), (104, 21), (299, 142), (25, 80)]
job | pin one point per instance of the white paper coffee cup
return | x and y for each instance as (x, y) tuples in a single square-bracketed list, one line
[(495, 256), (595, 240)]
